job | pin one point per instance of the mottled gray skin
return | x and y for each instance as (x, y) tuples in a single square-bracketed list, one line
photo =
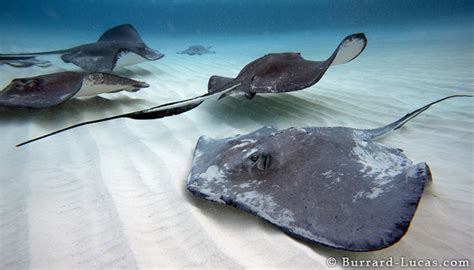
[(332, 186), (197, 50), (103, 55), (52, 89), (280, 72)]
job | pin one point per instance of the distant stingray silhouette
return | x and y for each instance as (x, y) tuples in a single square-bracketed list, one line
[(197, 50)]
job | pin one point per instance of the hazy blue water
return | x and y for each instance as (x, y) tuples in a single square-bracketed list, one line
[(181, 17)]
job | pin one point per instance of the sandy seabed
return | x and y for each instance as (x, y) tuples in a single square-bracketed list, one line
[(113, 194)]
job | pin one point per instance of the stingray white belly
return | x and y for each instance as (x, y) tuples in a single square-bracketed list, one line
[(349, 49), (98, 83), (128, 58)]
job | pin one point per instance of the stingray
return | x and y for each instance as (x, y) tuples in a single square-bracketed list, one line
[(117, 47), (334, 186), (273, 73), (286, 72), (197, 50), (22, 62), (52, 89)]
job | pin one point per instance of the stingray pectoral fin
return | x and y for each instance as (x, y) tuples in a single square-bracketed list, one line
[(420, 171), (393, 213), (104, 62), (67, 57), (157, 112), (216, 83), (375, 219), (348, 49), (379, 132), (124, 32), (408, 194)]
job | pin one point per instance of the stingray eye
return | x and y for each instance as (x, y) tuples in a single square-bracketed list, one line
[(253, 158), (32, 83), (260, 161)]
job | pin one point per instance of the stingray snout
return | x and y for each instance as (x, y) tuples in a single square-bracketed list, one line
[(137, 86)]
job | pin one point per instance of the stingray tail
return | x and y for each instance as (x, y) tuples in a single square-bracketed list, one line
[(68, 128), (382, 131), (349, 48), (157, 112), (20, 56)]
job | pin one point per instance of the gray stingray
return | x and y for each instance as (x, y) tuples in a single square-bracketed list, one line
[(197, 50), (335, 186), (273, 73), (286, 72), (22, 62), (52, 89), (117, 47)]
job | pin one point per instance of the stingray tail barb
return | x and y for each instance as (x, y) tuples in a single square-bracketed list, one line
[(382, 131), (156, 112), (349, 48)]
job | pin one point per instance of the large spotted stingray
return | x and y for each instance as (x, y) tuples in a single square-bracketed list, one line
[(117, 47), (334, 186), (273, 73)]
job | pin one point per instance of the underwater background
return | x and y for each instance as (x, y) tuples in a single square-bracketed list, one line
[(231, 17), (113, 194)]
